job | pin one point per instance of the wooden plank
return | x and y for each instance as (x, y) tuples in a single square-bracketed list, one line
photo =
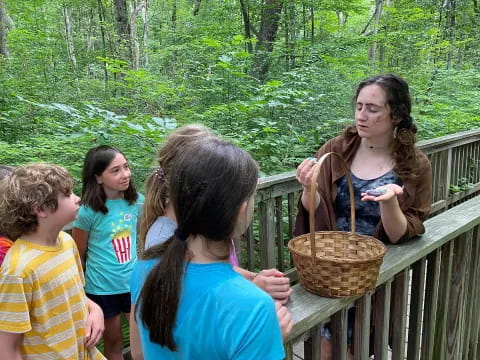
[(284, 183), (439, 205), (473, 350), (440, 343), (455, 314), (469, 292), (399, 314), (250, 249), (291, 219), (267, 234), (381, 319), (431, 299), (279, 233), (312, 347), (288, 350), (361, 334), (339, 326), (416, 309), (448, 141)]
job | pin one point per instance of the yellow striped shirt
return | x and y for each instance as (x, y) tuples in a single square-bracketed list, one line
[(42, 297)]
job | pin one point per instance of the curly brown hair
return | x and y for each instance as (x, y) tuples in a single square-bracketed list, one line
[(29, 189), (157, 185), (398, 98)]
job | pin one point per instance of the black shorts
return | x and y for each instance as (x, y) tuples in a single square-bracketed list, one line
[(112, 305)]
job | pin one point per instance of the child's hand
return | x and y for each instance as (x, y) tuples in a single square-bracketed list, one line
[(284, 319), (274, 283), (383, 193), (95, 324)]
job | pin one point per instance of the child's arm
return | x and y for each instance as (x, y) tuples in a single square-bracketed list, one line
[(135, 345), (95, 324), (10, 345), (81, 238)]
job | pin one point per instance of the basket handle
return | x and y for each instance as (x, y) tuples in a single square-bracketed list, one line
[(313, 190)]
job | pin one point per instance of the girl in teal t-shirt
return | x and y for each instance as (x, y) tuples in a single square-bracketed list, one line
[(105, 233)]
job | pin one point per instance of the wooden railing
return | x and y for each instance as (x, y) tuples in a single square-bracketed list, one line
[(456, 177), (428, 290)]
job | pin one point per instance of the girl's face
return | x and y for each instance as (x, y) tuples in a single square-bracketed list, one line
[(372, 113), (244, 218), (115, 179)]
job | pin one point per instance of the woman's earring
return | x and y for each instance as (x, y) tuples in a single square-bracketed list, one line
[(395, 130)]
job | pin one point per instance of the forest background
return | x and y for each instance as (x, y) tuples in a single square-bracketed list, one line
[(275, 76)]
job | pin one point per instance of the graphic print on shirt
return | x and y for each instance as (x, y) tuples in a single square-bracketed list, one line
[(121, 238)]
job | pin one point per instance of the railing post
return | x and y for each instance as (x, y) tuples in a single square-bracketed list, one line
[(474, 339), (361, 335), (279, 233), (431, 300), (440, 342), (456, 303), (267, 233), (289, 350), (381, 317), (339, 325), (399, 314), (312, 347), (416, 306), (448, 175)]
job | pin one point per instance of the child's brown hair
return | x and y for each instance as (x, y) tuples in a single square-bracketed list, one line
[(157, 185), (29, 189)]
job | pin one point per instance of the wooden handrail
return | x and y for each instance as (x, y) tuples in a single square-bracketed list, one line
[(455, 163), (455, 233)]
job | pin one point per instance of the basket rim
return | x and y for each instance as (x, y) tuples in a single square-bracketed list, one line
[(343, 261)]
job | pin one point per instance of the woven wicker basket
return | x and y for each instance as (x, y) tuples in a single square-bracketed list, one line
[(345, 263)]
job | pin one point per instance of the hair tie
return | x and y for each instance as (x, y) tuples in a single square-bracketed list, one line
[(160, 174), (180, 235)]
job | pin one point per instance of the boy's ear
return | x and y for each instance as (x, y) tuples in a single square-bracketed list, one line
[(41, 213)]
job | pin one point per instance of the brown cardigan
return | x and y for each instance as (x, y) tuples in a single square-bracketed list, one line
[(415, 201)]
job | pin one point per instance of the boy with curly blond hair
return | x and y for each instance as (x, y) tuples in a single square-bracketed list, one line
[(44, 312)]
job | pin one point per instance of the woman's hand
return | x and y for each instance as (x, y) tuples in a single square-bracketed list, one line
[(391, 191), (305, 173), (304, 177)]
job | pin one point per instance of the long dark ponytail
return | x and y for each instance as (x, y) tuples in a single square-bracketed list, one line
[(208, 185)]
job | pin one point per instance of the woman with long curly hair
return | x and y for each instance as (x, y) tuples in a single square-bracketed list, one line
[(391, 178)]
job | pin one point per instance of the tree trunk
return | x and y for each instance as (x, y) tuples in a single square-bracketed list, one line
[(123, 28), (372, 51), (67, 18), (293, 33), (101, 17), (196, 7), (270, 20), (312, 16), (90, 42), (450, 27), (3, 31), (246, 24), (144, 44), (133, 35)]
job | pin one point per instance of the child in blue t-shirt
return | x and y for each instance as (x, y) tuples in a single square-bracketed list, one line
[(105, 232), (188, 301)]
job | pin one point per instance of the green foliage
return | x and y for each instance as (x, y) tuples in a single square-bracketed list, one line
[(198, 68)]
